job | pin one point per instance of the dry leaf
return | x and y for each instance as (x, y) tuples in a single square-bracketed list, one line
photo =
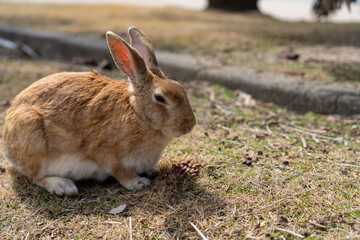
[(118, 209)]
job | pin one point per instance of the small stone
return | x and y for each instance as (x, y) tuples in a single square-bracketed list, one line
[(283, 219), (239, 119), (248, 157), (288, 53), (237, 231), (248, 163)]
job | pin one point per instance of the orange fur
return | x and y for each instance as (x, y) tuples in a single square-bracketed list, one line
[(85, 125)]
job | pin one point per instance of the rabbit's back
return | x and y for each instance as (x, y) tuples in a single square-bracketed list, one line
[(65, 91), (75, 101)]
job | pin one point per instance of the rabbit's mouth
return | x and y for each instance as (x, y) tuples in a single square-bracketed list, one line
[(187, 126)]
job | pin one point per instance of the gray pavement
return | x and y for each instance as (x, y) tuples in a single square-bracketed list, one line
[(293, 93)]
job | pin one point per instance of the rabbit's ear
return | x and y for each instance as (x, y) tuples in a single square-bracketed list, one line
[(141, 42), (127, 59)]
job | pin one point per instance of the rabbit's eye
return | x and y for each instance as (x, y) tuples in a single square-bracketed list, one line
[(159, 98)]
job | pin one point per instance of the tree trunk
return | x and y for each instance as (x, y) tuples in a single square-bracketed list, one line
[(234, 5)]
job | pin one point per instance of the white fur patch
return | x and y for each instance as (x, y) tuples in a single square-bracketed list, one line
[(74, 167), (158, 91), (131, 88), (144, 159)]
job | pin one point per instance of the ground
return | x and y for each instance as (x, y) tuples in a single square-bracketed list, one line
[(263, 171), (327, 51)]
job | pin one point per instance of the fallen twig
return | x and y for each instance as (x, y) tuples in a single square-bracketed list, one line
[(348, 223), (303, 142), (290, 232), (257, 130), (315, 139), (233, 142), (338, 139), (322, 227), (316, 131), (223, 127), (268, 129), (346, 164), (111, 222), (339, 229), (212, 95), (223, 110), (252, 237), (29, 216), (223, 221), (198, 231), (170, 207), (130, 228), (218, 106), (49, 224)]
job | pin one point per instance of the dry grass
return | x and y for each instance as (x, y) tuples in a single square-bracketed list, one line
[(256, 163), (327, 51)]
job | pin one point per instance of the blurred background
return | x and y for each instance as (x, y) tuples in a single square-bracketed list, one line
[(316, 40), (290, 10)]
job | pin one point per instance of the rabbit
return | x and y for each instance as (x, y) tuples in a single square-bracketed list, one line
[(71, 126)]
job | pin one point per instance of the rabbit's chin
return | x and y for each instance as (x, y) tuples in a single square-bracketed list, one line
[(170, 133)]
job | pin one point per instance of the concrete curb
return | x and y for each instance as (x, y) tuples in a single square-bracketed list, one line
[(293, 93)]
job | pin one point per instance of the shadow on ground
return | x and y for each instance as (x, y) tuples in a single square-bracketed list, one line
[(176, 204)]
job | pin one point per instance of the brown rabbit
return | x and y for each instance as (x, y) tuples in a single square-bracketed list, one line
[(71, 126)]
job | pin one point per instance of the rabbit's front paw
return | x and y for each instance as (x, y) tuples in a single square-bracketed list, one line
[(58, 185), (137, 183), (150, 173)]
